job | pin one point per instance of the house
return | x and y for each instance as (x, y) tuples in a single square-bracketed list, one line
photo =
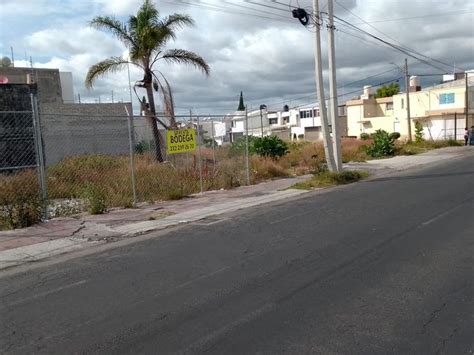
[(288, 123), (441, 109), (368, 114), (308, 120)]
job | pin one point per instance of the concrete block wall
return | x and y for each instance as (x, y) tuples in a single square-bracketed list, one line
[(78, 129)]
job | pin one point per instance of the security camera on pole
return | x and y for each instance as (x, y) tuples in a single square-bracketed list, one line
[(332, 149)]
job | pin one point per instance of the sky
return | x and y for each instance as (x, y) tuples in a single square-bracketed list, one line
[(254, 46)]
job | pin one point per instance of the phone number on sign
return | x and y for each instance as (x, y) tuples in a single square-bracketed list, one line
[(181, 147)]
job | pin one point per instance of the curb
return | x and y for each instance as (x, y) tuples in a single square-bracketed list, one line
[(38, 252)]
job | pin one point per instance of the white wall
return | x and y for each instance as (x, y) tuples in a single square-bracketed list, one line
[(67, 90)]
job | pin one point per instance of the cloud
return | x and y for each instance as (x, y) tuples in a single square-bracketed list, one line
[(71, 40), (118, 7), (270, 59)]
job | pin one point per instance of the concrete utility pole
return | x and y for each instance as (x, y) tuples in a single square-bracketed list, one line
[(328, 148), (336, 136), (407, 88), (466, 98)]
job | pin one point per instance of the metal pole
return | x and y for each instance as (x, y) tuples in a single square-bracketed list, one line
[(39, 155), (199, 155), (247, 163), (455, 126), (328, 150), (336, 136), (131, 142), (467, 99), (213, 141), (407, 88)]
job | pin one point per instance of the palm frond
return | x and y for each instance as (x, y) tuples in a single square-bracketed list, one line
[(117, 28), (176, 21), (182, 56), (110, 65), (163, 87)]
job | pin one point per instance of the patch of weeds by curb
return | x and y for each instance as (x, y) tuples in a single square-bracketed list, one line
[(327, 179), (160, 215)]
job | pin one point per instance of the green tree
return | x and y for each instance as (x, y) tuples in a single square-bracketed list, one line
[(145, 35), (387, 90), (241, 103)]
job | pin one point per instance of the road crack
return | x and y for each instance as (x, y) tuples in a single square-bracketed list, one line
[(433, 316)]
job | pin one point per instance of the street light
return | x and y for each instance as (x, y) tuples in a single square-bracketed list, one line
[(262, 107)]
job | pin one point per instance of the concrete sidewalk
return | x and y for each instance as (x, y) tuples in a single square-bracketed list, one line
[(67, 234)]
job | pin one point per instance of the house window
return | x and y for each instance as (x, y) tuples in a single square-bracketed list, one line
[(286, 120), (316, 113), (273, 120), (389, 106), (445, 99), (234, 124)]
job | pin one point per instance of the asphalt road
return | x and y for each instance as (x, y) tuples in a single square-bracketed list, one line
[(382, 266)]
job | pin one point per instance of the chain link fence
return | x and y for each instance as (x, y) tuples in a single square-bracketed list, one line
[(21, 173), (57, 164)]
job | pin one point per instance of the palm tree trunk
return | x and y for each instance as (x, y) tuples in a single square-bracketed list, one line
[(152, 122)]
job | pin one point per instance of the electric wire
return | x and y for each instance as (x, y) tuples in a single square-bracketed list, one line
[(393, 39)]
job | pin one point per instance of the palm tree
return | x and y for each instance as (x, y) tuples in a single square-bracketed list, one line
[(145, 35)]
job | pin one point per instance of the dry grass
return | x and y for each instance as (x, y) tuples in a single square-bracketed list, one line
[(325, 179), (105, 181)]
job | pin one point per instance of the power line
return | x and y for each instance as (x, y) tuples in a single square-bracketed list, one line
[(227, 10), (407, 52), (267, 6), (393, 39), (449, 13), (314, 93)]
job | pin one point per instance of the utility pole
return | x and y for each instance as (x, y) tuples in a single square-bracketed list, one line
[(247, 158), (262, 107), (328, 148), (467, 99), (407, 88), (336, 136)]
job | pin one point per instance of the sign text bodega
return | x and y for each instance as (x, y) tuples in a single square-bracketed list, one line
[(180, 141)]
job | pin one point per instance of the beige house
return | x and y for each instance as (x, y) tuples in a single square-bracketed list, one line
[(368, 114), (440, 108)]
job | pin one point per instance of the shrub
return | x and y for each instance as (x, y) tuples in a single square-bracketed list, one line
[(382, 146), (96, 198), (327, 178), (418, 132), (270, 146), (238, 146), (20, 204), (395, 135), (364, 136)]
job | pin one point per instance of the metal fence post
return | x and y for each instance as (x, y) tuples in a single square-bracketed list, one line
[(39, 155), (199, 155), (213, 141), (131, 142), (247, 163)]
